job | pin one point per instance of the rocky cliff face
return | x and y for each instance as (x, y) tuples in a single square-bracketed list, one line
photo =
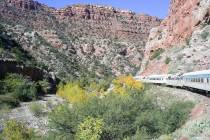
[(97, 38), (24, 4), (122, 24), (186, 18)]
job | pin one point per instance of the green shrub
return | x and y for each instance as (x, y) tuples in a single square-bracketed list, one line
[(19, 87), (139, 135), (18, 54), (11, 82), (45, 85), (123, 116), (90, 129), (176, 115), (16, 131), (9, 101), (167, 60), (64, 121), (157, 53), (26, 92), (204, 35), (37, 109), (1, 137)]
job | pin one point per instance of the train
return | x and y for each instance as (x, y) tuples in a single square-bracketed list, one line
[(198, 80)]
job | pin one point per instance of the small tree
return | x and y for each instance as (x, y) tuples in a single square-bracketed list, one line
[(72, 92), (123, 84)]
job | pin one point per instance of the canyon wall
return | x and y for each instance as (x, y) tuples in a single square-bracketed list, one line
[(79, 38), (173, 39)]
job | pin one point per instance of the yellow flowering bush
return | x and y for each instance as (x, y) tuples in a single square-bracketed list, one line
[(72, 92), (122, 84)]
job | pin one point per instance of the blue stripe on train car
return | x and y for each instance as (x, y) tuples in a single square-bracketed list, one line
[(198, 76)]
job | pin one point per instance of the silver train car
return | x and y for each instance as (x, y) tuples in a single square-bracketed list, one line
[(199, 80)]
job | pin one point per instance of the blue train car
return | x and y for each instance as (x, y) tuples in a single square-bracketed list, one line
[(198, 80)]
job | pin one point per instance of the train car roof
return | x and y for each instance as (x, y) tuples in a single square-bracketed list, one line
[(204, 72), (163, 75)]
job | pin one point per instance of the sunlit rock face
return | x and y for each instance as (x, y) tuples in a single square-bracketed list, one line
[(185, 17)]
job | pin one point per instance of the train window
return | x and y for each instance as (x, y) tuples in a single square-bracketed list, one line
[(202, 80)]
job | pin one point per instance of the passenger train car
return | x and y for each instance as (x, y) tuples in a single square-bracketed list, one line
[(195, 80)]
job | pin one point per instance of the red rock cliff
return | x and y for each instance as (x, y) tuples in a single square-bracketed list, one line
[(184, 17), (24, 4), (121, 23)]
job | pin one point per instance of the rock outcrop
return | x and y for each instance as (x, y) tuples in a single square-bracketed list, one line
[(185, 17), (120, 23), (24, 4)]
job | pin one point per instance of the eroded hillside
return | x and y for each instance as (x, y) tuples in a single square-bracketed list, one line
[(79, 38)]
